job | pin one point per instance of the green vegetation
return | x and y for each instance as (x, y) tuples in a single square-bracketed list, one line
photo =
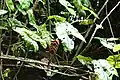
[(59, 40)]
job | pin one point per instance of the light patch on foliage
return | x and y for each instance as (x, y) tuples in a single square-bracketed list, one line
[(31, 37), (103, 70), (65, 29), (3, 12), (114, 60), (68, 6)]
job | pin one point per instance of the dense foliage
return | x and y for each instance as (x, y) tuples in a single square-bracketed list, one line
[(58, 40)]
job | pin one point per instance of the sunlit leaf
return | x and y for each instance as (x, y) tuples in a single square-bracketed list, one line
[(31, 17), (103, 70), (86, 22), (10, 5), (116, 48), (31, 37), (79, 4), (114, 60), (65, 29), (25, 4), (84, 60), (14, 22), (85, 8), (3, 12), (6, 72), (68, 6), (106, 43), (57, 18)]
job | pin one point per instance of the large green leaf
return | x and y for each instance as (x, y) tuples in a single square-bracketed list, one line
[(79, 4), (3, 12), (116, 47), (31, 37), (114, 60), (63, 30), (10, 5), (84, 60), (31, 17), (68, 6), (25, 4)]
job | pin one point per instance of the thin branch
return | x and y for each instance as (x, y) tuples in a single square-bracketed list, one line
[(86, 35), (56, 71), (27, 60)]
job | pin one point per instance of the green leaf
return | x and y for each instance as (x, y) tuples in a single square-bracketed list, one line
[(65, 29), (84, 60), (68, 6), (10, 5), (14, 22), (31, 37), (6, 72), (57, 18), (105, 42), (116, 48), (3, 12), (85, 8), (25, 4), (31, 17), (114, 60), (86, 22), (79, 4)]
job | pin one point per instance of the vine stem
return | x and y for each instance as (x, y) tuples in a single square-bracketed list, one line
[(86, 35), (97, 27)]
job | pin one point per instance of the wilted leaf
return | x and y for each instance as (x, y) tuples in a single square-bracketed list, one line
[(3, 12), (10, 5)]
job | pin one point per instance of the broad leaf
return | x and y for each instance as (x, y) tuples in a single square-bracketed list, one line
[(3, 12), (25, 4), (116, 48), (68, 6), (65, 29), (85, 8), (114, 60), (31, 17), (106, 43), (84, 60), (31, 37), (83, 5), (103, 70), (10, 5)]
